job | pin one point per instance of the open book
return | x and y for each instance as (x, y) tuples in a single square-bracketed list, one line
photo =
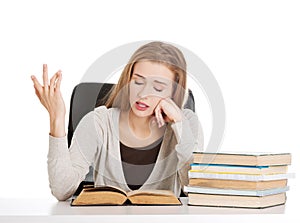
[(111, 195)]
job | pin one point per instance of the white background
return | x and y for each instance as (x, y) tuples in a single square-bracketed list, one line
[(251, 47)]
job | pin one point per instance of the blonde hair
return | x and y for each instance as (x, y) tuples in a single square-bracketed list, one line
[(157, 52)]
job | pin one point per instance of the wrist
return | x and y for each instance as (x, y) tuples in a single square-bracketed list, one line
[(57, 127), (177, 119)]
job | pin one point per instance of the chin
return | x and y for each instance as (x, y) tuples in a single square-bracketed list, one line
[(141, 114)]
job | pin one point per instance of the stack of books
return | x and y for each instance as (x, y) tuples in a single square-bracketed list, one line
[(248, 180)]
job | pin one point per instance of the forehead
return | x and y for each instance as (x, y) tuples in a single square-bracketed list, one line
[(153, 69)]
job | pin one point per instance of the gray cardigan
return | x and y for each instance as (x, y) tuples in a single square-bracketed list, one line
[(96, 142)]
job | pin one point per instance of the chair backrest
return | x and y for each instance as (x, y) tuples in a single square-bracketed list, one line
[(86, 96)]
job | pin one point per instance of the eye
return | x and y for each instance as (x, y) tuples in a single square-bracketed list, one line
[(158, 89), (138, 82)]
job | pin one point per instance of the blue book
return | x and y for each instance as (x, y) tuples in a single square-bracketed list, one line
[(238, 169)]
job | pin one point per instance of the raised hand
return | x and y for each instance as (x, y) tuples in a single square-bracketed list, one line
[(50, 97)]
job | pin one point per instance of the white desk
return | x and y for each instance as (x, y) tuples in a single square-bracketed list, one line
[(39, 210)]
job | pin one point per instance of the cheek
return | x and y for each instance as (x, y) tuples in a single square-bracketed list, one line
[(133, 93)]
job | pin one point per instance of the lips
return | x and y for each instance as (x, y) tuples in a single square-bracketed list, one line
[(141, 106)]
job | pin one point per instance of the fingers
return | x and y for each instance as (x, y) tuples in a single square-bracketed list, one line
[(55, 82), (58, 80), (173, 104), (45, 76), (49, 95), (37, 87), (159, 117), (36, 83), (54, 85), (170, 108), (169, 100), (52, 81)]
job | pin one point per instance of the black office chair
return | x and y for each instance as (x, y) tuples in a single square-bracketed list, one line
[(86, 96)]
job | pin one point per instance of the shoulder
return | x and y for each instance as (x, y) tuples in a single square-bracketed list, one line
[(99, 114), (101, 110), (104, 114), (99, 119)]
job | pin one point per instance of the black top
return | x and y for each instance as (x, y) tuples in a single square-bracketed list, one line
[(138, 163)]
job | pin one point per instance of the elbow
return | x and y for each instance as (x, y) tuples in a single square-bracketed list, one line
[(61, 193), (61, 196), (62, 188)]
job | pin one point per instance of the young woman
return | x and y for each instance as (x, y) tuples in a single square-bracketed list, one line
[(141, 139)]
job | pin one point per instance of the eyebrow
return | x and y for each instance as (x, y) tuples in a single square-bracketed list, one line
[(156, 81), (139, 75)]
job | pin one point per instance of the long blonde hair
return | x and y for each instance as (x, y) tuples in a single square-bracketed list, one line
[(157, 52)]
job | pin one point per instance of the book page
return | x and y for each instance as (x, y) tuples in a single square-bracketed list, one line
[(107, 188), (100, 195), (151, 192), (153, 197)]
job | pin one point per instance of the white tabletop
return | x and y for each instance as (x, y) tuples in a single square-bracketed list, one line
[(37, 210)]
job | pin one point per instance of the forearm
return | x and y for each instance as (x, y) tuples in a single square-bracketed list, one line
[(67, 167), (64, 174), (189, 138)]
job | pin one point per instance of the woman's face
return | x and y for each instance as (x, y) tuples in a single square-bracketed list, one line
[(150, 82)]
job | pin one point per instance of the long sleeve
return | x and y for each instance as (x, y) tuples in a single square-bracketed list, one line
[(189, 138), (67, 167)]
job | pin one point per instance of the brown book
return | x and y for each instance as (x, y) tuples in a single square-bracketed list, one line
[(247, 159), (111, 195), (236, 201), (237, 184)]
